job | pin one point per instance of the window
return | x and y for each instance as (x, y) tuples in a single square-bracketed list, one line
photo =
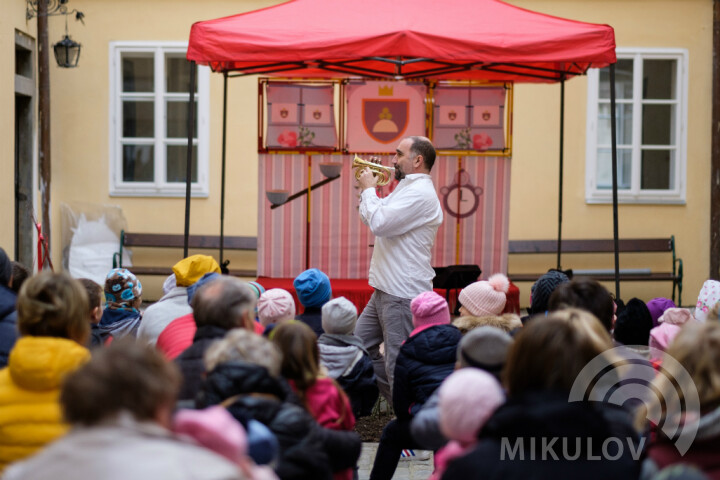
[(148, 121), (651, 120)]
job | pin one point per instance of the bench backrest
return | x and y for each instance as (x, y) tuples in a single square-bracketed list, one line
[(162, 240), (593, 246)]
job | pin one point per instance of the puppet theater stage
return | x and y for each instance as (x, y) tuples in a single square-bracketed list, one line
[(439, 69)]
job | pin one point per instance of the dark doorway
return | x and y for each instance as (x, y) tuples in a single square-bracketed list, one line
[(24, 133)]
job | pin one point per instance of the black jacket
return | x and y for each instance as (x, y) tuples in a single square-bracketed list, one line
[(306, 449), (337, 354), (511, 442), (191, 362), (424, 361), (8, 323)]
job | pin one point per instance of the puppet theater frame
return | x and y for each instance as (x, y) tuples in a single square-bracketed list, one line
[(471, 40)]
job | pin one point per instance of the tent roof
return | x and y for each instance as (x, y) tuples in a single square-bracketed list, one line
[(402, 39)]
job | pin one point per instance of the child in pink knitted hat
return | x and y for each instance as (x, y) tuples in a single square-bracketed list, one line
[(425, 359), (485, 297), (274, 306), (669, 326), (467, 399)]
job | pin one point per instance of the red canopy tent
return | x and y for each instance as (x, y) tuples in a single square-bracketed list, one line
[(403, 39), (454, 39)]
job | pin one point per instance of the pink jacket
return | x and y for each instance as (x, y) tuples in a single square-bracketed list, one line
[(331, 408)]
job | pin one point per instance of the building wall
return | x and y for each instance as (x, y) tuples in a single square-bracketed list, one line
[(533, 211), (12, 19), (80, 99)]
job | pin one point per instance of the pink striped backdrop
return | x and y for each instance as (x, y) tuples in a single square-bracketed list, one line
[(340, 243)]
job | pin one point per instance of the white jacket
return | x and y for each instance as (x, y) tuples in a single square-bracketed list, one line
[(159, 315), (404, 224), (120, 450)]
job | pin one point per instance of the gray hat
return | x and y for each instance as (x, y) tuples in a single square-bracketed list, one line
[(485, 348), (339, 316), (5, 268)]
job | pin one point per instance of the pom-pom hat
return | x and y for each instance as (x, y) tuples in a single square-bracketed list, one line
[(486, 297)]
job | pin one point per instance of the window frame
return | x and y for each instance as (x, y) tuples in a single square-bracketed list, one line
[(159, 187), (635, 194)]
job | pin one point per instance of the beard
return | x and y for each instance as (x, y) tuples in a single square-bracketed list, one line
[(399, 174)]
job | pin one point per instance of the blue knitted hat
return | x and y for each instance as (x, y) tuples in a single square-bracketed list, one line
[(312, 288)]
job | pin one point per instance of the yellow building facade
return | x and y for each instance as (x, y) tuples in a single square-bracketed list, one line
[(665, 37)]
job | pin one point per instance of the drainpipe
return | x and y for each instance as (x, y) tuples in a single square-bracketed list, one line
[(44, 118), (715, 152)]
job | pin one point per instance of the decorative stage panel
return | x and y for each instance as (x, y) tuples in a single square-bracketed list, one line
[(474, 192)]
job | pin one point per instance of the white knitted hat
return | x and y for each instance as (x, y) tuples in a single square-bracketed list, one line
[(486, 297)]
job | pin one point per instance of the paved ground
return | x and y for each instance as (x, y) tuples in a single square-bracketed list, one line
[(413, 468)]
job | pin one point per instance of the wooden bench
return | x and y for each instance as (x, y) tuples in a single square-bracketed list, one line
[(628, 245), (164, 240)]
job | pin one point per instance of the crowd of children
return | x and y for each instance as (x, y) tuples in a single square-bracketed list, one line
[(222, 379)]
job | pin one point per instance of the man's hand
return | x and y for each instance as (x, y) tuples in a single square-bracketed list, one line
[(367, 179)]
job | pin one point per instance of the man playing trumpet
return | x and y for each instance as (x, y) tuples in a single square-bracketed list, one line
[(404, 224)]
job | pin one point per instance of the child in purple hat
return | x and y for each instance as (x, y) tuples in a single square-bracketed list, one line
[(425, 359), (657, 307)]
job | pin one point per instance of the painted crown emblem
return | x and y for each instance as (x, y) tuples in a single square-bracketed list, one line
[(385, 91)]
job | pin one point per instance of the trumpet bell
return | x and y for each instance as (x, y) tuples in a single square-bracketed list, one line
[(384, 174)]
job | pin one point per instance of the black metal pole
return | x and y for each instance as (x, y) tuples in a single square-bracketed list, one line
[(560, 180), (188, 172), (613, 139), (222, 181)]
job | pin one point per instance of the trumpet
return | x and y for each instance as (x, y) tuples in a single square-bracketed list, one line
[(384, 174)]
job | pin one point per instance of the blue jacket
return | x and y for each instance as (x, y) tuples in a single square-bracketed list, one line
[(8, 323), (312, 317), (424, 361)]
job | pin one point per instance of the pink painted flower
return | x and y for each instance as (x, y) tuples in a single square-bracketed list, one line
[(288, 138), (481, 141)]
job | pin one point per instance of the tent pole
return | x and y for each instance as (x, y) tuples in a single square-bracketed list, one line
[(188, 171), (613, 143), (222, 182), (560, 180)]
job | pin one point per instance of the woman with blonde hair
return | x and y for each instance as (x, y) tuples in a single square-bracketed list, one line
[(691, 367), (538, 432), (54, 325)]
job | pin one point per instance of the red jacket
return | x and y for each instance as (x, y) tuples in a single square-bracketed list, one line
[(177, 336)]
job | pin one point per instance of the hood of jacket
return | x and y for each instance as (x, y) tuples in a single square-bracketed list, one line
[(239, 378), (549, 414), (339, 360), (436, 345), (119, 323), (41, 363)]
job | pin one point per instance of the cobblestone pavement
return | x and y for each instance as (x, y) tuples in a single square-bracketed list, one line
[(413, 468)]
